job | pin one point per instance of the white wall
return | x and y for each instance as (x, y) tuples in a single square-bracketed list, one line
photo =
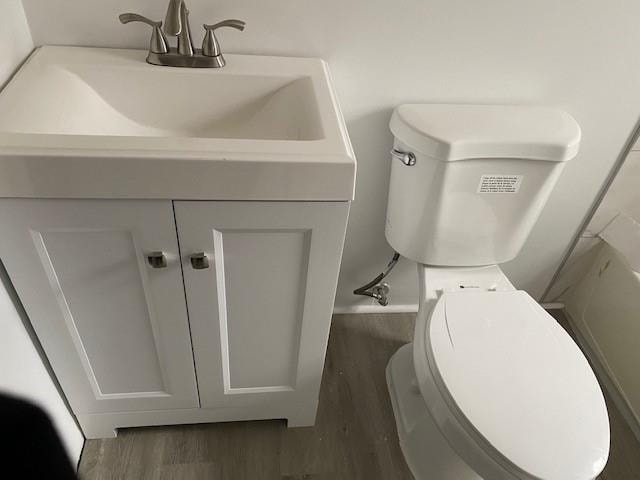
[(623, 196), (22, 372), (579, 55)]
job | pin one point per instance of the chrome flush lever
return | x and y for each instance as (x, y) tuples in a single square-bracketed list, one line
[(158, 42), (408, 158)]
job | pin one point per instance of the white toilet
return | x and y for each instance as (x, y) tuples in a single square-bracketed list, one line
[(491, 387)]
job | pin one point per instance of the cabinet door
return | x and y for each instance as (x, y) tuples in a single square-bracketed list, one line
[(260, 313), (114, 329)]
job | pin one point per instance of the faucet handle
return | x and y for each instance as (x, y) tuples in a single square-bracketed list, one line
[(233, 23), (158, 42), (210, 45)]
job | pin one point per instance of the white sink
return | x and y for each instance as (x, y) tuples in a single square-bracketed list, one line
[(94, 122)]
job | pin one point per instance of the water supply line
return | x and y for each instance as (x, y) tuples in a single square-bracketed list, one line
[(374, 288)]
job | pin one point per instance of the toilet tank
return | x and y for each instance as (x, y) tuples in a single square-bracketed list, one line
[(481, 177)]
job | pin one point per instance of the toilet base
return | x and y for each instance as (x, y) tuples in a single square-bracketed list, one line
[(426, 451)]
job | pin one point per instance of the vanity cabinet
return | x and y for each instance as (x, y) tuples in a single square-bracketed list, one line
[(159, 312)]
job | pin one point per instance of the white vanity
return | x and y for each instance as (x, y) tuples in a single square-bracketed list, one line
[(175, 235)]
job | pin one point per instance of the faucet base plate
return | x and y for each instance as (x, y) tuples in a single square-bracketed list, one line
[(175, 59)]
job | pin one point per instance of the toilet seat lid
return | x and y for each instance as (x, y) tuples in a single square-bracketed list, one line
[(518, 384)]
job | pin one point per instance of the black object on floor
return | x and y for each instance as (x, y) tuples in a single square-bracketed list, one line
[(30, 446)]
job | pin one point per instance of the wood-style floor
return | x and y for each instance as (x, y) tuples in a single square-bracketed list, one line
[(354, 437)]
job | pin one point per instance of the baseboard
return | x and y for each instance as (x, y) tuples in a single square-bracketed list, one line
[(606, 381), (411, 308), (404, 308)]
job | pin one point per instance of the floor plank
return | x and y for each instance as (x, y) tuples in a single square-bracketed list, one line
[(354, 437)]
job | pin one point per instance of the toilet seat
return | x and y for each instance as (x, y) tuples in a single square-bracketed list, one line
[(509, 389)]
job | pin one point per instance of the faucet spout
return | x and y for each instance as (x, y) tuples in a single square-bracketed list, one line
[(177, 24), (173, 21), (185, 43)]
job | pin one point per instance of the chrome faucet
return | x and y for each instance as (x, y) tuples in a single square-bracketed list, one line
[(177, 24)]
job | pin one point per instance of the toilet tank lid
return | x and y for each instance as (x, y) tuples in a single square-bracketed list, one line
[(457, 132)]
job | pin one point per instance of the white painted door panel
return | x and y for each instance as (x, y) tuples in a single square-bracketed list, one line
[(114, 329), (260, 314)]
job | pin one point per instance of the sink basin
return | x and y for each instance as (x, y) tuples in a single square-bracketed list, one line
[(95, 122), (76, 98)]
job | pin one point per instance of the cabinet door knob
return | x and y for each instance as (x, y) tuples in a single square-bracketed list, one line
[(199, 261), (157, 260)]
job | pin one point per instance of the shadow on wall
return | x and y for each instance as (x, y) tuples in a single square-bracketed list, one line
[(5, 282), (361, 260), (366, 230)]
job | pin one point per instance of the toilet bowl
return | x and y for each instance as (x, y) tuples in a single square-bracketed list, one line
[(493, 388)]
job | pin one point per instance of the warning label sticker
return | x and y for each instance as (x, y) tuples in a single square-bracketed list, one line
[(500, 183)]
